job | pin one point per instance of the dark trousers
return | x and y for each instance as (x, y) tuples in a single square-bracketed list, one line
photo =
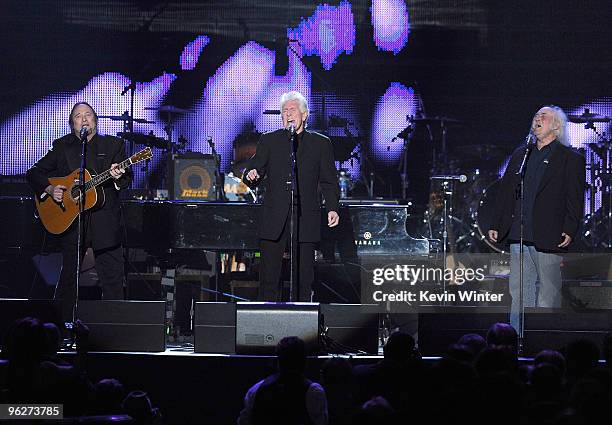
[(109, 266), (271, 266)]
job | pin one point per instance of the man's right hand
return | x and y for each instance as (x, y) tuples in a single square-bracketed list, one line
[(252, 175), (493, 235), (57, 192)]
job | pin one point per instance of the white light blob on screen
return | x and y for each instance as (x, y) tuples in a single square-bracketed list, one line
[(297, 78), (228, 100), (328, 32), (191, 53), (28, 135), (391, 24), (389, 119)]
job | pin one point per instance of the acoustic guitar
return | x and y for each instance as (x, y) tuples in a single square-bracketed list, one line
[(58, 216)]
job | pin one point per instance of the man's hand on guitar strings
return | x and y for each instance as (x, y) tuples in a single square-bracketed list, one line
[(56, 192), (116, 172)]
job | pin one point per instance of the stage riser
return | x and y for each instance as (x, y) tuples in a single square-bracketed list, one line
[(544, 328), (439, 330)]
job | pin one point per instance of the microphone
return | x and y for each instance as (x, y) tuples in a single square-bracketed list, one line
[(462, 177), (530, 139), (83, 133), (291, 128)]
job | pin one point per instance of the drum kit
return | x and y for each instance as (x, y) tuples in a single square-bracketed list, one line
[(597, 225)]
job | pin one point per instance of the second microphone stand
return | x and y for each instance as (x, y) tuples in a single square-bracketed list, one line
[(81, 186), (521, 190), (293, 232)]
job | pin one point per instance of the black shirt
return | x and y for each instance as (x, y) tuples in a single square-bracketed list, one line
[(536, 167)]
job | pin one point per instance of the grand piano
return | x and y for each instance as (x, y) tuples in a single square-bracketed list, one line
[(370, 229)]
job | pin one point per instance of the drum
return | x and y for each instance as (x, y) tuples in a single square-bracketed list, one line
[(236, 191), (485, 214)]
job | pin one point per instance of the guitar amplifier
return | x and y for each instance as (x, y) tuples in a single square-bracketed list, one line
[(191, 177)]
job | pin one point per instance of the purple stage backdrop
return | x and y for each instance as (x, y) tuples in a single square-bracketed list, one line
[(357, 61)]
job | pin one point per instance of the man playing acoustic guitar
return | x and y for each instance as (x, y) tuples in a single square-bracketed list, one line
[(101, 225)]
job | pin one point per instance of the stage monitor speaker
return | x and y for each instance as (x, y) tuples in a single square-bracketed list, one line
[(350, 327), (587, 294), (547, 328), (440, 327), (124, 325), (215, 328), (191, 176), (12, 309), (260, 326)]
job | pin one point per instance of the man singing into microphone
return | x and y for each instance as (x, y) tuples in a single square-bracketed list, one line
[(315, 172), (553, 196), (101, 226)]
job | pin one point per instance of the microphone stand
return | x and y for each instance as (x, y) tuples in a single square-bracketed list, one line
[(219, 193), (81, 185), (521, 172), (292, 224)]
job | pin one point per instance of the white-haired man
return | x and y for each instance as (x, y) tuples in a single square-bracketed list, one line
[(553, 196), (315, 173)]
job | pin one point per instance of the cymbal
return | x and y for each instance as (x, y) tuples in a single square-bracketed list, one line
[(126, 117), (434, 120), (167, 108), (144, 139), (587, 117)]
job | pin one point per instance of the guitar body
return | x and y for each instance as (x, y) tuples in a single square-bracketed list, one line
[(57, 217)]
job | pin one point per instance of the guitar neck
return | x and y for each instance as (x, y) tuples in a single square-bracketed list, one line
[(102, 177)]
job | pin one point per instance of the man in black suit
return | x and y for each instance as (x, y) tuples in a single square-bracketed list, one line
[(553, 203), (315, 170), (101, 226)]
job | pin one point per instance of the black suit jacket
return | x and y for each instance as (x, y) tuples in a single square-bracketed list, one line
[(316, 171), (559, 202), (63, 158)]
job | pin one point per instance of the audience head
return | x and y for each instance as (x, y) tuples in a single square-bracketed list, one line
[(337, 372), (546, 378), (581, 356), (54, 337), (460, 353), (376, 411), (493, 360), (291, 354), (28, 343), (138, 405), (108, 395), (400, 347), (474, 342), (504, 336), (552, 357)]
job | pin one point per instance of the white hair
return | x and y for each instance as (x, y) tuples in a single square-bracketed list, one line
[(560, 120), (295, 95)]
